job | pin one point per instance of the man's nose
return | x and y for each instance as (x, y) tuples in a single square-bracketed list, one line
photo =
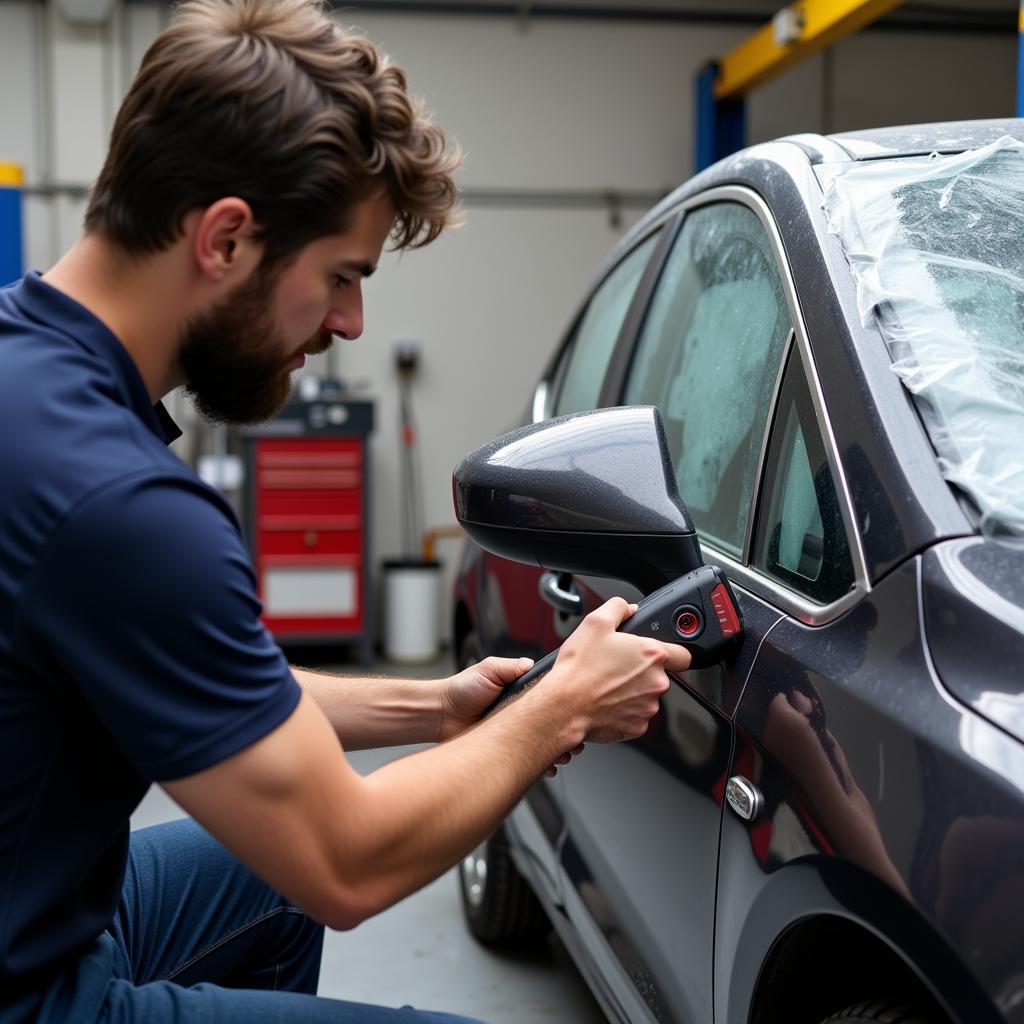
[(346, 317)]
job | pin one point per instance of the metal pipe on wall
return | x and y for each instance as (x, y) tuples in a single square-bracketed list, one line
[(612, 200)]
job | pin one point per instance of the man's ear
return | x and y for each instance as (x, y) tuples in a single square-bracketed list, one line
[(224, 242)]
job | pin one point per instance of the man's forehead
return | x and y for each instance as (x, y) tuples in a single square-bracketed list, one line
[(358, 247)]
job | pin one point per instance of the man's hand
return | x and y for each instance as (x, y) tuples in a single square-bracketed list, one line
[(468, 694), (615, 680)]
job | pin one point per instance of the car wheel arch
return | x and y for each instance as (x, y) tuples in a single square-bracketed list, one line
[(825, 979), (821, 930)]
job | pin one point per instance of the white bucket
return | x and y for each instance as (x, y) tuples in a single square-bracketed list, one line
[(411, 610)]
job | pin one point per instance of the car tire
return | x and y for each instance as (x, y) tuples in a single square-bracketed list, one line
[(880, 1011), (501, 909)]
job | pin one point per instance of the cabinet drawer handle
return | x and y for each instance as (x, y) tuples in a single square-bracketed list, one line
[(310, 537)]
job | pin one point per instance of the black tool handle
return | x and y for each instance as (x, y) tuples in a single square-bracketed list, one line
[(525, 681), (697, 610)]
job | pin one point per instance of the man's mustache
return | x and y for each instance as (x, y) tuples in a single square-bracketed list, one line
[(320, 342)]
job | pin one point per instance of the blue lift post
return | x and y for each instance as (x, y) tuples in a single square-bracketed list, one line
[(11, 252), (796, 32), (721, 124), (1020, 61)]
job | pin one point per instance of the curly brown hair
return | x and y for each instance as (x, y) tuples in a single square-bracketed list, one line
[(274, 102)]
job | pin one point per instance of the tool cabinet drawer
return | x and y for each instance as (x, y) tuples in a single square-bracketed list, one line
[(277, 452), (310, 539), (307, 595), (308, 506)]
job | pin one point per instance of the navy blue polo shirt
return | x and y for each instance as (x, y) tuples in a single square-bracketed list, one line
[(131, 649)]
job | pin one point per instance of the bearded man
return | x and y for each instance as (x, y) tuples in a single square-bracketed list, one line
[(261, 160)]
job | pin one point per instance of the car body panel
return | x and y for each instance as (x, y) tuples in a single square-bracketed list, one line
[(975, 588), (870, 772)]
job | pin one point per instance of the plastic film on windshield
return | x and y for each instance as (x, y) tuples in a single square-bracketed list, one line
[(936, 248)]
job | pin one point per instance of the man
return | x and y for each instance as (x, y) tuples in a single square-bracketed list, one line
[(258, 165)]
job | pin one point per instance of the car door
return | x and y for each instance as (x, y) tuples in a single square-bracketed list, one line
[(640, 854), (512, 619)]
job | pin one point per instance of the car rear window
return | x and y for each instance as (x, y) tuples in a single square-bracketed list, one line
[(936, 248)]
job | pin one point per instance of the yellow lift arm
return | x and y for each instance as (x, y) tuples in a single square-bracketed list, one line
[(797, 31)]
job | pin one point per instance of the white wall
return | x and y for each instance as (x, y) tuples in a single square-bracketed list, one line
[(559, 104)]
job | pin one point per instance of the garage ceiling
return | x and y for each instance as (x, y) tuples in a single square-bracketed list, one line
[(959, 15)]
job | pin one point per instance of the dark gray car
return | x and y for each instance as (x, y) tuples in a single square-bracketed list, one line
[(833, 331)]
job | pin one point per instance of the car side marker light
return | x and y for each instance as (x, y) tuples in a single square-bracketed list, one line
[(744, 798)]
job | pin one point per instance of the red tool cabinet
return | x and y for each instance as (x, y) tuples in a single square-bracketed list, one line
[(307, 496)]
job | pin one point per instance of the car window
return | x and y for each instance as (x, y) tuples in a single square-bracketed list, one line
[(579, 377), (708, 357), (801, 538)]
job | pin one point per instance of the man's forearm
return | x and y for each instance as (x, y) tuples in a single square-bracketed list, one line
[(376, 711)]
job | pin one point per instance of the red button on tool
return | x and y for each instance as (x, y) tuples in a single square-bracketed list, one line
[(727, 617), (688, 623)]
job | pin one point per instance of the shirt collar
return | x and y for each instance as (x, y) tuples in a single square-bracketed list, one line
[(55, 309), (171, 430)]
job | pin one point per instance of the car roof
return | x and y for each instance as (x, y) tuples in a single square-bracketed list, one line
[(907, 140), (843, 147)]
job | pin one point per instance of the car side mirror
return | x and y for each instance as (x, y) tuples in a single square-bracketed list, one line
[(591, 493)]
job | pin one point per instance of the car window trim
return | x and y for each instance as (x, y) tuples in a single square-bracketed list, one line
[(539, 405), (622, 353), (797, 402), (546, 394), (809, 612), (762, 457)]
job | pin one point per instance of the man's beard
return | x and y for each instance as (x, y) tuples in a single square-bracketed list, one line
[(235, 357)]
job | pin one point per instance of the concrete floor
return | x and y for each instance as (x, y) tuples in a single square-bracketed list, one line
[(419, 952)]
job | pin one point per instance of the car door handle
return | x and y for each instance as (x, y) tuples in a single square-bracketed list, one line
[(565, 599)]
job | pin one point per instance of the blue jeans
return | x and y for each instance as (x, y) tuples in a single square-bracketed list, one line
[(198, 938)]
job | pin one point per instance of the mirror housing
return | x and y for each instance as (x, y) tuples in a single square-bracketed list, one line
[(591, 493)]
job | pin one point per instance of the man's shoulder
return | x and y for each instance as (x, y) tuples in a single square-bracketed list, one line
[(67, 429), (60, 451), (69, 444), (155, 503)]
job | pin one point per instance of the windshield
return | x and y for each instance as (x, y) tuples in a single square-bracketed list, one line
[(936, 247)]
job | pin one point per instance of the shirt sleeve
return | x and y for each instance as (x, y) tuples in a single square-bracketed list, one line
[(145, 605)]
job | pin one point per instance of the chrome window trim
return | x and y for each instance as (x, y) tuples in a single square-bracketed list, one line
[(762, 458), (788, 600), (777, 594), (539, 408)]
